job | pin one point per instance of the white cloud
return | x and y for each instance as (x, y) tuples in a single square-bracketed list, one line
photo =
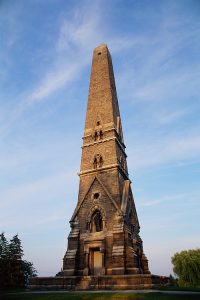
[(78, 34), (167, 86), (56, 80), (159, 201), (172, 150), (175, 198), (174, 115), (32, 192), (82, 30), (157, 70)]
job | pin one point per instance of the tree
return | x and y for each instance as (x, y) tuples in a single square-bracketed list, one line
[(15, 248), (14, 271), (28, 271), (4, 259), (3, 246), (187, 267), (16, 262)]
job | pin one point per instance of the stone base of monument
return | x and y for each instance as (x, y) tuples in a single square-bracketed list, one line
[(106, 282)]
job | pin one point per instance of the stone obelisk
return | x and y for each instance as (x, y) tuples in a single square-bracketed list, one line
[(104, 250), (104, 237)]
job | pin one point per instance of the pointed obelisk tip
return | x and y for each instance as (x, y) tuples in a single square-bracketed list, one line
[(101, 47)]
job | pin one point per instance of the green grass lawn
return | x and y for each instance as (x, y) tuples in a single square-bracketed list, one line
[(96, 296), (177, 288)]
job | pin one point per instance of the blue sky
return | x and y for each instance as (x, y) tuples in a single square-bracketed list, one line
[(45, 61)]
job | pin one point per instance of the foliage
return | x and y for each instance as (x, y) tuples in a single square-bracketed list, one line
[(15, 248), (14, 271), (28, 270), (187, 267), (4, 247)]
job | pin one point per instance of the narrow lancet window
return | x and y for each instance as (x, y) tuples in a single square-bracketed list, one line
[(96, 136), (98, 161), (96, 222), (101, 134)]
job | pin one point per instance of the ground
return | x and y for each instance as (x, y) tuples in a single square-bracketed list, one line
[(130, 295)]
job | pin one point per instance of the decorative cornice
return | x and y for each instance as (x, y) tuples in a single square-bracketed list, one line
[(107, 168), (107, 140)]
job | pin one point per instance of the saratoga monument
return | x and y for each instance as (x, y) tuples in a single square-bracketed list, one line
[(104, 246), (104, 238)]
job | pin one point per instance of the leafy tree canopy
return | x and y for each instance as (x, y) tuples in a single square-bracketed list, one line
[(187, 267)]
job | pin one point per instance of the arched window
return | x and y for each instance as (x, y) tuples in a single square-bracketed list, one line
[(96, 222), (98, 161), (101, 134), (95, 163), (96, 136)]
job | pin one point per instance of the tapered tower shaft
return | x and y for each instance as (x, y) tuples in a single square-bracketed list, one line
[(104, 237)]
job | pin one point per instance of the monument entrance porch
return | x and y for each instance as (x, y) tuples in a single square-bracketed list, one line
[(94, 258)]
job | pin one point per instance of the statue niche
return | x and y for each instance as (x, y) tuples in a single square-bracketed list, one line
[(96, 222), (98, 161), (98, 135)]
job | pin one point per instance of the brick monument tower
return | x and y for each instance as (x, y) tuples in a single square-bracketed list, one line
[(104, 237), (104, 250)]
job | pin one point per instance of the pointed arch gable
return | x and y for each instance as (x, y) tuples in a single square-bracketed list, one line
[(79, 205), (109, 195), (88, 190)]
